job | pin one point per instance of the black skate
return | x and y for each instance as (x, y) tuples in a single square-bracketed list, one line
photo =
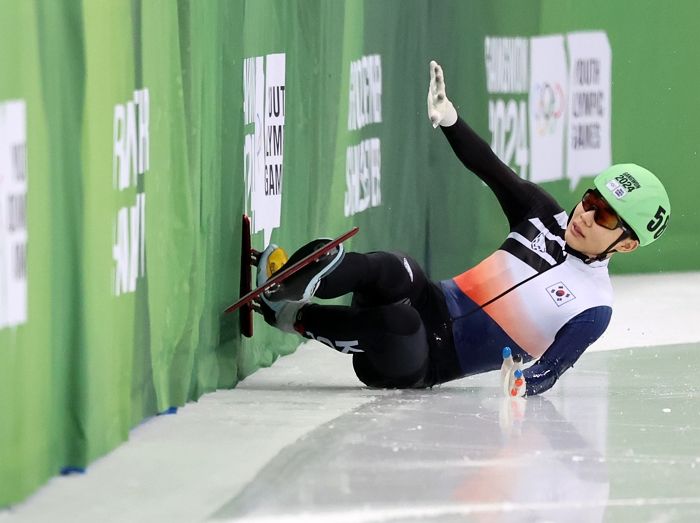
[(302, 285)]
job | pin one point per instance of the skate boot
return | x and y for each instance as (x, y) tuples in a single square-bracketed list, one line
[(281, 314), (302, 285)]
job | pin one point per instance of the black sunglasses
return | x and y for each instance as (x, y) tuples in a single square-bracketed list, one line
[(604, 215)]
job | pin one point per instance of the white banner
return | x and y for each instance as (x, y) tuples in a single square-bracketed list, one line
[(548, 87), (13, 213), (589, 137), (560, 128), (264, 111)]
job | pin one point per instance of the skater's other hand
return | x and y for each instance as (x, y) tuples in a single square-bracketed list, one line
[(440, 109)]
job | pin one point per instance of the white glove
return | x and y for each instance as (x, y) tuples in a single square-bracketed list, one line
[(440, 109), (512, 377)]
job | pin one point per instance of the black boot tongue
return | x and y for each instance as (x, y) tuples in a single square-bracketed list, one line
[(304, 251), (302, 284)]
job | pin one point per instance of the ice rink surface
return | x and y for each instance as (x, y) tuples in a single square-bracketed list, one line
[(617, 439)]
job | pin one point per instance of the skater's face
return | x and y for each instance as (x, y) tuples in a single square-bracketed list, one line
[(594, 225)]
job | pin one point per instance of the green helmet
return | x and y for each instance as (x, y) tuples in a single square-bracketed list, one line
[(638, 197)]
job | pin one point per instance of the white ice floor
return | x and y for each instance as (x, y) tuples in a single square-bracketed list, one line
[(304, 441)]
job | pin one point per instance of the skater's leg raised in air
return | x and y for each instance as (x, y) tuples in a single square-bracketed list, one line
[(377, 278)]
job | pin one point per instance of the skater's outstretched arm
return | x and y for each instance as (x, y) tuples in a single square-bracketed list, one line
[(515, 195), (571, 341)]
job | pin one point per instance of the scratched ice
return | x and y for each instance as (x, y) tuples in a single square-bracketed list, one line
[(618, 439)]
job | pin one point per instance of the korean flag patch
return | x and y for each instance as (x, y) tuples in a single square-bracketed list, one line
[(560, 294)]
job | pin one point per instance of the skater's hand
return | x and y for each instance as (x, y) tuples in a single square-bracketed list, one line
[(440, 109), (512, 377)]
